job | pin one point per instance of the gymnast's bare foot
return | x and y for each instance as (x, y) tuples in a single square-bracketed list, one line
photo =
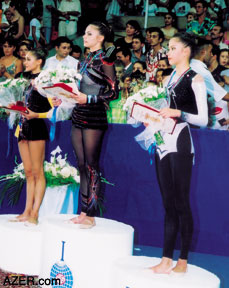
[(88, 223), (164, 267), (21, 218), (79, 219), (181, 266)]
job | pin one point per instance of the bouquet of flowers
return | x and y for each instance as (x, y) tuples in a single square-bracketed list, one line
[(12, 97), (143, 107), (57, 172), (60, 83)]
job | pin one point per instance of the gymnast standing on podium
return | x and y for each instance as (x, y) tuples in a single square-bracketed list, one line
[(32, 135), (187, 99), (89, 120)]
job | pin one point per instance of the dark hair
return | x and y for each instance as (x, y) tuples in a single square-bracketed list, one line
[(221, 51), (76, 49), (139, 37), (201, 44), (118, 63), (159, 31), (24, 43), (134, 24), (85, 49), (62, 39), (40, 53), (166, 60), (10, 41), (188, 41), (104, 29), (204, 3), (174, 17), (125, 51), (141, 63), (167, 71), (16, 4), (138, 75)]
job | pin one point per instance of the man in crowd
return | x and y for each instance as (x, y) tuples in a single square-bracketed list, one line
[(124, 55), (203, 25), (217, 96), (63, 47), (217, 36), (156, 52), (137, 46)]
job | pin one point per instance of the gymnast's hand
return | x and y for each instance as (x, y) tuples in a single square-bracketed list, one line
[(80, 98), (30, 114), (169, 112)]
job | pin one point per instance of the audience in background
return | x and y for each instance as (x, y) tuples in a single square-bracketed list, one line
[(138, 58), (169, 30), (156, 52), (10, 65)]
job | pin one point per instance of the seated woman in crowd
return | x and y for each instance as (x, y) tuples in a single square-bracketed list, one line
[(10, 65), (132, 28), (169, 30), (17, 26)]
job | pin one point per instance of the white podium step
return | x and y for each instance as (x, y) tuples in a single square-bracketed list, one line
[(133, 272), (20, 246), (79, 258), (88, 254)]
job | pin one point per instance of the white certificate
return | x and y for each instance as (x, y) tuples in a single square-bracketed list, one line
[(149, 115)]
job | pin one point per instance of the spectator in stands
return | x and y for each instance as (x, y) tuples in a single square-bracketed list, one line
[(203, 25), (10, 65), (119, 69), (224, 58), (216, 7), (70, 11), (6, 22), (147, 40), (217, 96), (225, 75), (159, 77), (5, 6), (156, 52), (124, 54), (35, 33), (190, 17), (216, 34), (48, 7), (214, 66), (86, 51), (63, 48), (113, 9), (164, 6), (23, 48), (139, 66), (164, 63), (137, 46), (181, 8), (152, 8), (76, 52), (115, 113), (132, 29), (169, 30), (17, 26)]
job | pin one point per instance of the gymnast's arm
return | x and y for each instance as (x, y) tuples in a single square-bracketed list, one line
[(199, 89), (199, 119)]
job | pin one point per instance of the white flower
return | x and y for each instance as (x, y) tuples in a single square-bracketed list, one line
[(54, 172), (65, 172), (77, 178), (62, 162), (57, 150)]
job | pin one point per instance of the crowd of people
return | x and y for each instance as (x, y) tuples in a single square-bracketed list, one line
[(196, 61), (140, 56)]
